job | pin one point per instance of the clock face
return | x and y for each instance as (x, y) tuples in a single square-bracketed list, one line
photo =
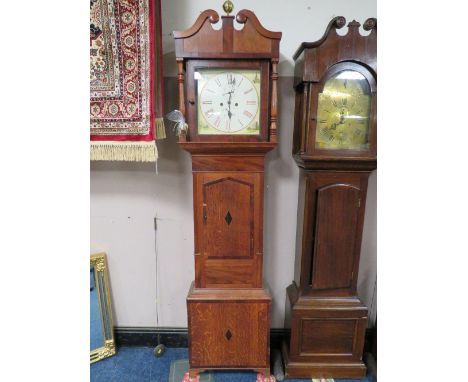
[(343, 113), (228, 101)]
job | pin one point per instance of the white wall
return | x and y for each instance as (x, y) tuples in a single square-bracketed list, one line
[(151, 270)]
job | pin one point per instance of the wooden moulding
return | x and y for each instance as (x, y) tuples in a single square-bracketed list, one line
[(201, 40), (240, 294), (228, 162), (228, 147), (314, 59), (309, 162)]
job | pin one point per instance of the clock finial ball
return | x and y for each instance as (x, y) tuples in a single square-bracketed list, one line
[(228, 6)]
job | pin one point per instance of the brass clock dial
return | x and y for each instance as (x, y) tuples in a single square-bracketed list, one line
[(343, 113)]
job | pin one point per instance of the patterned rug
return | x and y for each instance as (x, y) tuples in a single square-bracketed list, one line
[(122, 54), (180, 367)]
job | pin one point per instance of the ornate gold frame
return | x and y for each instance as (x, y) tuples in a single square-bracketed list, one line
[(101, 273)]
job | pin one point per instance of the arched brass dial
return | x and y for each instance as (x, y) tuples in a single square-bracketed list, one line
[(343, 113)]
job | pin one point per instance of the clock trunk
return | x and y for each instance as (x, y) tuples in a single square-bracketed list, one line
[(326, 318), (228, 306)]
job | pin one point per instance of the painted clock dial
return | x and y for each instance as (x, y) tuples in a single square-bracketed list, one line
[(228, 101), (343, 113)]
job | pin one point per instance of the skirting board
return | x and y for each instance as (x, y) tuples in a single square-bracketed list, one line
[(172, 337), (177, 337)]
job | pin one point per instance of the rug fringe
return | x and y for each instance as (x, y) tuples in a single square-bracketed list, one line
[(159, 129), (124, 151)]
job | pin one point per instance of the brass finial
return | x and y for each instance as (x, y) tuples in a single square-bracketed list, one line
[(228, 6)]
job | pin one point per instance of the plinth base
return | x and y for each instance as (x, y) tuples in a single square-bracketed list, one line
[(321, 370), (327, 337), (228, 330)]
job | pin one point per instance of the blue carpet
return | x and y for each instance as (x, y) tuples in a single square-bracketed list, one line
[(138, 364)]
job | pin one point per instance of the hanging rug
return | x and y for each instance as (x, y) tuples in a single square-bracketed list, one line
[(121, 80)]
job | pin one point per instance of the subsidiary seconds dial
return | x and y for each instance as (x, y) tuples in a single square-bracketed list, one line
[(229, 102)]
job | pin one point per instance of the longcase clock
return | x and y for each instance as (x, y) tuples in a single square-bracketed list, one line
[(335, 135), (228, 95)]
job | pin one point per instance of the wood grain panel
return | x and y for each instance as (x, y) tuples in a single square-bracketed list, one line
[(337, 215), (318, 184), (228, 218), (227, 273), (228, 334), (228, 212), (327, 336)]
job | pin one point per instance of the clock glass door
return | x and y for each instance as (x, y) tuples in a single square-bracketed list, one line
[(343, 113), (228, 101)]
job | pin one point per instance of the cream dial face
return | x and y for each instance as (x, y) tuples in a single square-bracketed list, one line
[(228, 101)]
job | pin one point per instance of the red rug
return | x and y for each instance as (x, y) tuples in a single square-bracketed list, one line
[(122, 62)]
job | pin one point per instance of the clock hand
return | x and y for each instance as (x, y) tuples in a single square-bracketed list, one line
[(229, 105)]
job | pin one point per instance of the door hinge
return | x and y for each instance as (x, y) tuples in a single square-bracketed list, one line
[(359, 203), (205, 217)]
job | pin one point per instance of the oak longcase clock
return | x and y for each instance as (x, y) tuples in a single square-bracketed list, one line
[(227, 93), (335, 147)]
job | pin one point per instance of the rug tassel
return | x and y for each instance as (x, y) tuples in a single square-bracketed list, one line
[(124, 151), (159, 129)]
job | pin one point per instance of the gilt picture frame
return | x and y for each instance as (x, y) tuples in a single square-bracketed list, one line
[(98, 264)]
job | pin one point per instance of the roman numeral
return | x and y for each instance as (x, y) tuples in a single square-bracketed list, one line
[(218, 82), (209, 113), (207, 102), (247, 114), (217, 122), (248, 91), (242, 79), (251, 102)]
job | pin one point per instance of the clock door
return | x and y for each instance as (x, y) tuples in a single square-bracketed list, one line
[(227, 208), (335, 234), (228, 205), (336, 215)]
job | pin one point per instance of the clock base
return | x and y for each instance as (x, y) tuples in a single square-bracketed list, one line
[(321, 370), (228, 329), (327, 336)]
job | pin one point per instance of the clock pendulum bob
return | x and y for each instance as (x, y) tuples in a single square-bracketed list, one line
[(227, 94), (335, 147)]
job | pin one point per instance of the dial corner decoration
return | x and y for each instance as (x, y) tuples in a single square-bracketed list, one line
[(228, 101)]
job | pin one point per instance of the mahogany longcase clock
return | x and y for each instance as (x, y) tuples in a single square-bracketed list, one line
[(228, 94), (335, 135)]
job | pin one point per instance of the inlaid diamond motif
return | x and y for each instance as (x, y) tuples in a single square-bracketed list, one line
[(228, 218), (228, 335)]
